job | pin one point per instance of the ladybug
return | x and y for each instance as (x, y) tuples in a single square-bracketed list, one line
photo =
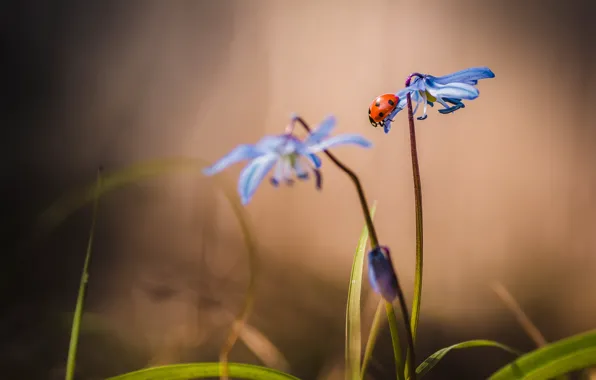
[(380, 108)]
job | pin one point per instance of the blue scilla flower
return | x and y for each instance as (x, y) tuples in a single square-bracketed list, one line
[(448, 90), (287, 153), (381, 273)]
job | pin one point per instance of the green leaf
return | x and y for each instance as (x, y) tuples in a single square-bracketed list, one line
[(434, 359), (353, 333), (78, 314), (205, 370), (555, 359)]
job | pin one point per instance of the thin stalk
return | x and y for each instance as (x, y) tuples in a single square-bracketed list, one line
[(372, 338), (78, 314), (374, 240), (240, 321), (419, 225), (374, 244), (394, 329)]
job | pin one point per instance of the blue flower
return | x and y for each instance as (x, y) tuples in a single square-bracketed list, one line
[(381, 273), (452, 88), (290, 156)]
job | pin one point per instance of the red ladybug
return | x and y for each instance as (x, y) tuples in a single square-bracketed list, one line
[(380, 108)]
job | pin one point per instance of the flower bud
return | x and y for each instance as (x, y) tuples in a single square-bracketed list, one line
[(381, 274)]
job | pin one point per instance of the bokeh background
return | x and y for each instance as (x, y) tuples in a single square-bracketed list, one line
[(508, 182)]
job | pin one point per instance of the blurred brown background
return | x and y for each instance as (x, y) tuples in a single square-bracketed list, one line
[(508, 182)]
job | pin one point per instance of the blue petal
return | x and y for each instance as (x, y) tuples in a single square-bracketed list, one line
[(240, 153), (278, 173), (316, 161), (381, 273), (322, 131), (252, 176), (402, 103), (451, 90), (387, 126), (456, 102), (270, 144), (339, 140), (301, 166), (401, 94), (469, 76), (417, 84)]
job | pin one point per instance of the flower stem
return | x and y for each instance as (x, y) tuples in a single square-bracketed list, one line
[(374, 244), (419, 232)]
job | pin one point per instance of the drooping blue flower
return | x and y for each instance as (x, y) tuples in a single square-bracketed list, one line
[(287, 153), (453, 88), (381, 273)]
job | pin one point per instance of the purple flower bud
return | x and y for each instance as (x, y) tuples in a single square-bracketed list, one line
[(381, 274)]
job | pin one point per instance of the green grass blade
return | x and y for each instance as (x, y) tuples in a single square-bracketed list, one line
[(434, 359), (64, 207), (555, 359), (246, 308), (373, 334), (353, 335), (417, 300), (76, 320), (394, 329), (61, 209), (522, 318), (205, 370)]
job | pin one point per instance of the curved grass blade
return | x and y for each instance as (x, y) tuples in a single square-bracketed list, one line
[(263, 348), (373, 334), (434, 359), (204, 370), (394, 330), (555, 359), (353, 332), (78, 313), (522, 318), (246, 309), (64, 207), (61, 209)]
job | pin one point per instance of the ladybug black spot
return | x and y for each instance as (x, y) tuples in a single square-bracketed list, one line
[(391, 102), (369, 111), (381, 114), (377, 103)]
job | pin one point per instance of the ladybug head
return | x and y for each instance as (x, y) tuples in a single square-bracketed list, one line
[(372, 122)]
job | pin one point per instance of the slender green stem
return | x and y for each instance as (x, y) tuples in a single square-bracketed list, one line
[(410, 357), (78, 314), (374, 240), (374, 244), (394, 329), (247, 307), (419, 231), (373, 334)]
